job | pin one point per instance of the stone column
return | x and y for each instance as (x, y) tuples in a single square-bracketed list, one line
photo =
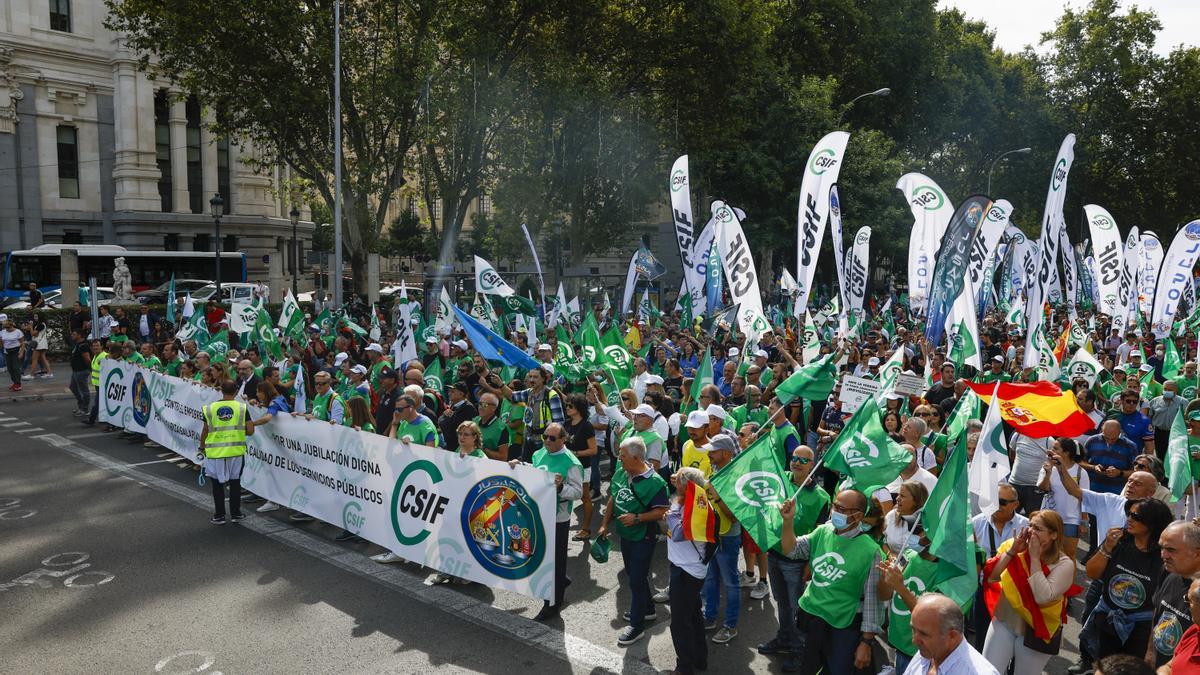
[(70, 277), (251, 190), (181, 202), (373, 278), (135, 170), (208, 160)]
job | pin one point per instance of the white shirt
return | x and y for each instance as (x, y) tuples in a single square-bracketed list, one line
[(639, 385), (982, 524), (1108, 508), (920, 475), (895, 531), (1058, 499), (11, 338), (964, 660), (684, 554)]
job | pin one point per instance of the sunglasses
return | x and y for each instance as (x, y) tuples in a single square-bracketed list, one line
[(801, 460), (1006, 502), (1135, 515), (550, 437)]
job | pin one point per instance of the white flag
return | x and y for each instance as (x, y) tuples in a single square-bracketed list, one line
[(685, 230), (1127, 288), (488, 281), (1083, 365), (1152, 257), (787, 283), (1052, 221), (404, 349), (931, 210), (1175, 278), (856, 269), (840, 256), (820, 172), (811, 343), (983, 250), (445, 319), (1109, 255), (990, 464), (189, 307), (740, 275)]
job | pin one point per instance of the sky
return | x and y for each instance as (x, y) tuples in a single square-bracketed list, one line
[(1021, 22)]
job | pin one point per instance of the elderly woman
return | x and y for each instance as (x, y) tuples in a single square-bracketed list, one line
[(688, 571), (637, 496)]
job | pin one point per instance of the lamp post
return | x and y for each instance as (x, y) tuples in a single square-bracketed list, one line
[(294, 215), (882, 91), (1018, 151), (217, 208)]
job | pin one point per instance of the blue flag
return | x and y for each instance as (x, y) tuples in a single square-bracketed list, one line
[(493, 347)]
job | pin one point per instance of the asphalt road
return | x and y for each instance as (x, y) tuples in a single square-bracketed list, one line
[(109, 564)]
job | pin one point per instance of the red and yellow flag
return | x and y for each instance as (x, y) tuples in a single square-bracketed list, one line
[(699, 519), (1060, 349), (1037, 409)]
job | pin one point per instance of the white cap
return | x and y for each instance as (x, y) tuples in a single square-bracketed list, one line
[(1146, 367), (714, 410), (360, 369), (461, 344), (644, 409), (375, 347), (545, 347), (760, 354), (3, 317), (696, 420), (431, 339), (654, 379), (733, 352), (340, 359), (997, 358), (548, 367), (873, 361)]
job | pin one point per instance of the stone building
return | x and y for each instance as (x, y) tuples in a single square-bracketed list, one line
[(92, 151)]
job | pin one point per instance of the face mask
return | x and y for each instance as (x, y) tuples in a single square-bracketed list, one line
[(839, 520), (1168, 395), (864, 527), (914, 543)]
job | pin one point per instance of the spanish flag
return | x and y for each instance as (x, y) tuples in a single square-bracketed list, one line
[(1043, 620), (1037, 409), (699, 518), (491, 510), (1060, 349)]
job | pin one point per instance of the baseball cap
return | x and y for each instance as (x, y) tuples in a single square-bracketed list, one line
[(387, 372), (1194, 415), (654, 379), (1120, 367), (760, 354), (548, 367), (644, 409), (714, 410), (461, 344), (733, 352), (431, 339), (1138, 353), (360, 369), (375, 347), (721, 442), (698, 420), (545, 346), (873, 361), (1146, 367), (340, 359), (998, 358)]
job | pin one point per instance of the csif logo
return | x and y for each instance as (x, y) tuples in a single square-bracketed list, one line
[(822, 161), (679, 180), (1103, 222), (828, 568), (352, 517), (114, 391), (996, 214), (1060, 174), (928, 197), (417, 500), (724, 215), (862, 237), (760, 489), (490, 280)]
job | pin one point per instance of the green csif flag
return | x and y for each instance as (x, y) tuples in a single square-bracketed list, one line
[(267, 341), (217, 345), (324, 321), (687, 315), (617, 359), (1172, 365), (1178, 465), (865, 452), (947, 519), (753, 486), (433, 376), (967, 409), (291, 319), (702, 377), (813, 381)]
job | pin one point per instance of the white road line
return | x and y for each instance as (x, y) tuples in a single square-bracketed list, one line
[(29, 430), (14, 424), (91, 434), (153, 461), (549, 640)]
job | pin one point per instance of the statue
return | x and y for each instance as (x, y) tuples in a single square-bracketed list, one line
[(122, 282)]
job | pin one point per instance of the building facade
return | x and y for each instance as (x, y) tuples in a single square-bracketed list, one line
[(93, 151)]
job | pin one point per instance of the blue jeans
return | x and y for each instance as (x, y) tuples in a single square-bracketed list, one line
[(787, 585), (637, 555), (723, 571)]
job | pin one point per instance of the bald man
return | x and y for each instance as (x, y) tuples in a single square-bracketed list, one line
[(937, 632), (247, 380)]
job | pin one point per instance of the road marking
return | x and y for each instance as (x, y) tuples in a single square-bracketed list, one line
[(76, 437), (14, 424), (153, 461), (30, 430), (549, 640)]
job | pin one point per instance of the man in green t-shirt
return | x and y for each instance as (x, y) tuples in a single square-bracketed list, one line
[(1189, 382), (751, 411), (787, 575), (568, 481), (410, 426), (845, 573), (995, 373), (1193, 441)]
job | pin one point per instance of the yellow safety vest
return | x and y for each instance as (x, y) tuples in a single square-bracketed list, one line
[(96, 361), (226, 429)]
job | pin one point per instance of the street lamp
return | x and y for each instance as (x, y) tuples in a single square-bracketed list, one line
[(1019, 151), (217, 208), (882, 91), (294, 215)]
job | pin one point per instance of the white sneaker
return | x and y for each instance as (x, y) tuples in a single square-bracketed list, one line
[(440, 578), (268, 507), (760, 591), (661, 597), (386, 558), (748, 580), (49, 376)]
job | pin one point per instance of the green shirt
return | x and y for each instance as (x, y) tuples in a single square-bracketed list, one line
[(743, 414), (420, 430), (633, 497), (811, 501), (172, 367), (989, 377), (494, 434), (153, 363), (839, 569), (136, 359), (1193, 448), (566, 464), (1189, 387)]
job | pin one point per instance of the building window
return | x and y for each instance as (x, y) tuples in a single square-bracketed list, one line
[(195, 171), (171, 242), (202, 242), (60, 15), (230, 243), (412, 205), (72, 237), (68, 163), (223, 173), (162, 147), (436, 210), (485, 206)]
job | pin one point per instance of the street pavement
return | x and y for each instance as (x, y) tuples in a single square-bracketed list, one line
[(109, 564)]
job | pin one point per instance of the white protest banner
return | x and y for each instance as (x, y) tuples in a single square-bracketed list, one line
[(1127, 286), (820, 172), (685, 230), (488, 281), (1175, 278), (1151, 261), (912, 385), (858, 259), (475, 518), (1109, 254), (840, 255), (856, 391), (931, 211), (1052, 222), (739, 271)]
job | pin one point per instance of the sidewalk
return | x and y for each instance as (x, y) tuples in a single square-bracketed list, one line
[(39, 388)]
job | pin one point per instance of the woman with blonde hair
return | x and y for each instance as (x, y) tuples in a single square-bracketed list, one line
[(470, 440), (1034, 576), (898, 522)]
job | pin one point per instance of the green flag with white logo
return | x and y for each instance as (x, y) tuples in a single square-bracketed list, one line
[(195, 328), (617, 359), (1178, 465), (433, 376), (265, 333), (963, 344), (813, 381), (1172, 365), (753, 486), (291, 319), (217, 345), (514, 304), (588, 339), (325, 321), (687, 315), (702, 378), (947, 519), (967, 409), (864, 451)]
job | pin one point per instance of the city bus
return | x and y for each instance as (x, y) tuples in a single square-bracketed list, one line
[(42, 266)]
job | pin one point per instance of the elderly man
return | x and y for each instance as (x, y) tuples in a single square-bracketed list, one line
[(247, 381), (1108, 456), (1187, 651), (787, 575), (409, 425), (1163, 409), (568, 481), (991, 531), (841, 605), (460, 410), (914, 431), (723, 568), (751, 411), (937, 632), (637, 497), (1188, 382), (1179, 545)]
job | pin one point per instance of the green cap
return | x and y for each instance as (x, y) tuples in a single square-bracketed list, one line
[(600, 548), (1194, 416)]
